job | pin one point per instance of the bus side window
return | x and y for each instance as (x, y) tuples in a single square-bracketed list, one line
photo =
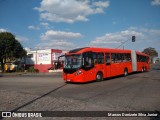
[(95, 58), (108, 61), (142, 58), (125, 57), (128, 57), (119, 57), (122, 57), (116, 58), (88, 59), (113, 57), (100, 58)]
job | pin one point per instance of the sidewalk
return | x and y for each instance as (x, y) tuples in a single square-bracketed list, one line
[(54, 72), (58, 70)]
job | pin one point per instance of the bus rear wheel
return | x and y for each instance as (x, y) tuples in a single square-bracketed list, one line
[(99, 77), (125, 72)]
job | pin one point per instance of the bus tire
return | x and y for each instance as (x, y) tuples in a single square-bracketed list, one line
[(125, 72), (142, 69), (99, 77)]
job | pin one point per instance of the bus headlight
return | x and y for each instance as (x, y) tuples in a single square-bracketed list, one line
[(78, 72)]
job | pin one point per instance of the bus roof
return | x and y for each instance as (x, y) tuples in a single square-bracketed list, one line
[(93, 49), (140, 53)]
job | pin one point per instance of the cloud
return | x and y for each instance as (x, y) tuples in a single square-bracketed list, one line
[(114, 39), (33, 27), (51, 35), (3, 30), (41, 26), (151, 31), (58, 40), (57, 44), (27, 49), (22, 39), (155, 2), (45, 25), (70, 11), (101, 4), (144, 38)]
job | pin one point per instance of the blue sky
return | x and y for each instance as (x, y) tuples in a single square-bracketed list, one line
[(69, 24)]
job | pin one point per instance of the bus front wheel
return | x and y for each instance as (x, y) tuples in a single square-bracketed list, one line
[(142, 69), (125, 72), (99, 77)]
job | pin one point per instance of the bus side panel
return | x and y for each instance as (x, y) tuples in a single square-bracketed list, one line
[(115, 69), (107, 71), (99, 68), (129, 67), (125, 65), (89, 75), (140, 65)]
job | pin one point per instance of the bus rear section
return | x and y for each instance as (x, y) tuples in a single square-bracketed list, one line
[(143, 62), (140, 61)]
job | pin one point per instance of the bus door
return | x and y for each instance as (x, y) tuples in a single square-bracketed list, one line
[(114, 67), (98, 58), (108, 65), (88, 66)]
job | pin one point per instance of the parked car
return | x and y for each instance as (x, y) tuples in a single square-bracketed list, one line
[(10, 67)]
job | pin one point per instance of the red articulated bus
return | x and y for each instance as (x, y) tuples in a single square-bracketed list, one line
[(88, 64)]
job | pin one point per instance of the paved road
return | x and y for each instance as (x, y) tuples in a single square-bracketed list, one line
[(29, 92)]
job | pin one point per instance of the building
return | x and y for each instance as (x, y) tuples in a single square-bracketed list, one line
[(44, 60)]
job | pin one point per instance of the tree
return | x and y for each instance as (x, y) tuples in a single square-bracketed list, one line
[(10, 48), (151, 52)]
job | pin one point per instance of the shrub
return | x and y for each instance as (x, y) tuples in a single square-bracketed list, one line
[(32, 70), (20, 69)]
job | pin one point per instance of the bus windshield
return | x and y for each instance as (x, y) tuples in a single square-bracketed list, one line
[(73, 61)]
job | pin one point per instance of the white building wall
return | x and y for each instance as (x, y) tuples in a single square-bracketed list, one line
[(37, 57), (44, 56), (55, 56), (43, 59)]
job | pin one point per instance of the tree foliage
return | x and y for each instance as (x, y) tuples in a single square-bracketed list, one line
[(10, 48), (151, 52)]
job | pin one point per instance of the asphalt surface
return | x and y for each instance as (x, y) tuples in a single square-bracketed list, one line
[(48, 92)]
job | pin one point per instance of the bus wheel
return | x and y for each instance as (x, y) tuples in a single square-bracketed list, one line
[(99, 77), (125, 72), (142, 69)]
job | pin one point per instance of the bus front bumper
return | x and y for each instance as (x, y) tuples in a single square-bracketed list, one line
[(73, 77)]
